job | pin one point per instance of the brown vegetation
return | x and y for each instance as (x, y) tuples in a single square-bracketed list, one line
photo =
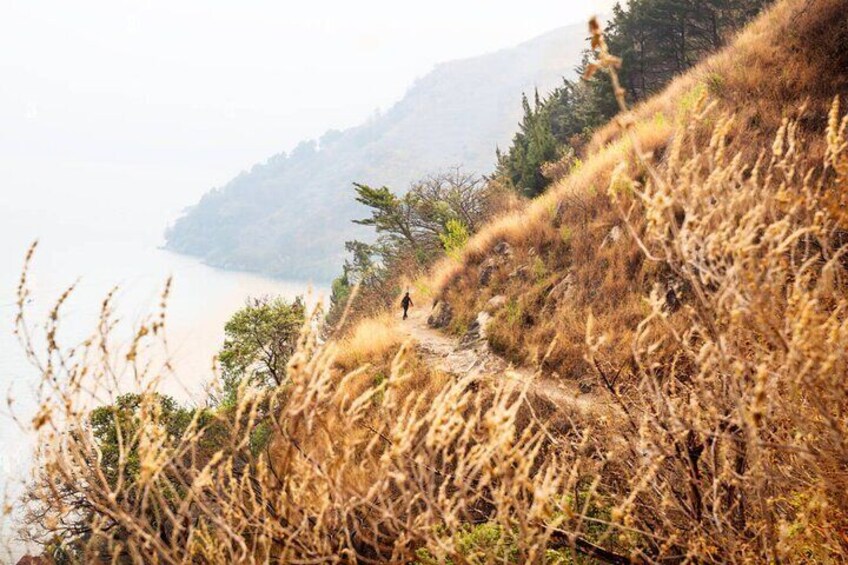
[(693, 268)]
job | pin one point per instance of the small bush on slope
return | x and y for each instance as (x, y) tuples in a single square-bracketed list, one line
[(259, 340)]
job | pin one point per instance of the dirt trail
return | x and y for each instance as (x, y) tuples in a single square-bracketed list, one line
[(447, 354)]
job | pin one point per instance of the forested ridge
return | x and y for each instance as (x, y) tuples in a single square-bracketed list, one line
[(655, 40)]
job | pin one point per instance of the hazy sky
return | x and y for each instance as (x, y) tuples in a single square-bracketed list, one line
[(110, 97)]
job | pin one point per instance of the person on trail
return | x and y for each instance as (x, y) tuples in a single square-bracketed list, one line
[(405, 304)]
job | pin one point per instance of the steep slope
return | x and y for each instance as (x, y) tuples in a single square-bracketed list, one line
[(570, 250), (692, 272), (291, 215)]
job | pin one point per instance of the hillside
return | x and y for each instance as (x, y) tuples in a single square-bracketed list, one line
[(291, 215), (565, 243), (646, 364), (688, 278)]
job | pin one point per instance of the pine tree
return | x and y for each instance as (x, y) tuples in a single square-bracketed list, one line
[(657, 40)]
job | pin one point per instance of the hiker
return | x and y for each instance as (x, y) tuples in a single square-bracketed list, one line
[(406, 303)]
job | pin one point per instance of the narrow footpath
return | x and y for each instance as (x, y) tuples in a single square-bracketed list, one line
[(447, 354)]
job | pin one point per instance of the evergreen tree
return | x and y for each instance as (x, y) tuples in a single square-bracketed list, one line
[(657, 40)]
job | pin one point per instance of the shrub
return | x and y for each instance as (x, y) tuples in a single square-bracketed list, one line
[(454, 237)]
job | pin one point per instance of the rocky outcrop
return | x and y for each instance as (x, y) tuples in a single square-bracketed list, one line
[(502, 248), (613, 236), (521, 273), (495, 303), (441, 316), (487, 270), (563, 290), (477, 330), (500, 254)]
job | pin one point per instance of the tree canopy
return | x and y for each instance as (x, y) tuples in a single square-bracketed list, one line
[(435, 216), (259, 340)]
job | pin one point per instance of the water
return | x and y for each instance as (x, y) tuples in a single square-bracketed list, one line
[(101, 237)]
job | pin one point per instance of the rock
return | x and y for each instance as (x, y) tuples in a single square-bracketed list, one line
[(441, 316), (672, 301), (564, 289), (615, 233), (584, 386), (613, 236), (502, 248), (495, 303), (559, 213), (522, 272), (477, 330), (487, 270)]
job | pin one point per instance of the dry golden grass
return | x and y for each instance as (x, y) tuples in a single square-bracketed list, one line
[(794, 55), (729, 447), (729, 443), (370, 340)]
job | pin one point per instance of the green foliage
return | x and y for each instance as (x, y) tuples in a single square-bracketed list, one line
[(566, 233), (436, 216), (480, 543), (553, 128), (379, 382), (117, 425), (540, 270), (364, 266), (260, 339), (340, 291), (117, 430), (513, 312), (491, 543), (715, 84), (535, 143), (260, 436), (689, 100), (390, 214), (458, 326), (657, 40), (454, 237)]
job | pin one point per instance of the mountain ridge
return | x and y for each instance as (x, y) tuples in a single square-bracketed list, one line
[(290, 216)]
